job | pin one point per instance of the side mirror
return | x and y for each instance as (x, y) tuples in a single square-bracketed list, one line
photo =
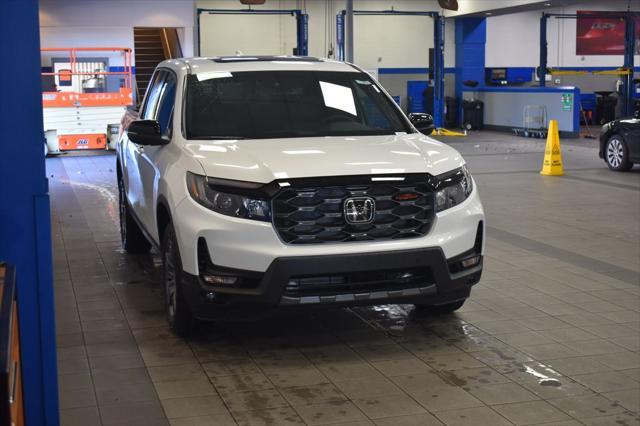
[(423, 122), (146, 132)]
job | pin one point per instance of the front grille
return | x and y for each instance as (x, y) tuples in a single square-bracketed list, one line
[(314, 214), (358, 282)]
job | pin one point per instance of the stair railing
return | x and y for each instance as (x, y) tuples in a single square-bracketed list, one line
[(170, 43)]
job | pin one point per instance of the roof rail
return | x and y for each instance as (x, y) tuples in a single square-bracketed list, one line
[(263, 58)]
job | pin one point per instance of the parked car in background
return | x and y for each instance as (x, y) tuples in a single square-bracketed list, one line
[(620, 143)]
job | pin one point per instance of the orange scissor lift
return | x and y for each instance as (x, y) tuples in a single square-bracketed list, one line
[(81, 107)]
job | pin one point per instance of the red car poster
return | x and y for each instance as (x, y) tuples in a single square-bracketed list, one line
[(602, 33)]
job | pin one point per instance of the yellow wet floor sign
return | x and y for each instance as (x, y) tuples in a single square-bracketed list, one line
[(552, 165)]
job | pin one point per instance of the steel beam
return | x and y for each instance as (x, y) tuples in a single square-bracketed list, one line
[(25, 228)]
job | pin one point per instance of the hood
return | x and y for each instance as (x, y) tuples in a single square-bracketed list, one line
[(264, 160)]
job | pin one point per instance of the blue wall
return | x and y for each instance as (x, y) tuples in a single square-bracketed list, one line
[(25, 229)]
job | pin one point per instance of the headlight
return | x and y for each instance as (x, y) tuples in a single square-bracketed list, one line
[(225, 203), (453, 188)]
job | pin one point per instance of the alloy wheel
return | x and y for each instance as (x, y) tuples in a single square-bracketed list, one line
[(615, 152)]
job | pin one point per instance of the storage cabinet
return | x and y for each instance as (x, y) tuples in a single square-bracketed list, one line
[(11, 403)]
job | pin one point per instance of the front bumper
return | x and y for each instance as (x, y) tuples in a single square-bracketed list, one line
[(253, 245), (442, 282), (252, 249)]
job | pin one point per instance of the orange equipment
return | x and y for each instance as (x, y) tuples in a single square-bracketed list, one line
[(122, 97), (79, 98)]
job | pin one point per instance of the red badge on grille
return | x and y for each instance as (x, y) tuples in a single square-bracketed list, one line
[(406, 196)]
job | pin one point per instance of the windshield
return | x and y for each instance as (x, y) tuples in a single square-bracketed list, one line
[(287, 104)]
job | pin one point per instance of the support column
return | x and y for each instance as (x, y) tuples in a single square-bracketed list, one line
[(340, 37), (471, 39), (541, 72), (629, 51), (349, 25), (438, 63), (25, 228), (302, 33)]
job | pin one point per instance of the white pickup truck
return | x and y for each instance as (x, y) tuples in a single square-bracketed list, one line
[(281, 182)]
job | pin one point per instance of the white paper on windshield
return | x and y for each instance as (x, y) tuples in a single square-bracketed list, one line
[(338, 97), (203, 76)]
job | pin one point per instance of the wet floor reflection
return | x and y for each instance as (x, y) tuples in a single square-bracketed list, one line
[(526, 348)]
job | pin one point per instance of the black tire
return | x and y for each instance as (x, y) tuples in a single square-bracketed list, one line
[(133, 240), (441, 309), (616, 154), (179, 315)]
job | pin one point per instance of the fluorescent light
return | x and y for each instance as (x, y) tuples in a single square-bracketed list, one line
[(384, 179), (239, 58), (212, 148), (292, 62), (303, 151), (386, 171)]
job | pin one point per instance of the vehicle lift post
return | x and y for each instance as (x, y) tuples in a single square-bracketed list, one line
[(629, 50), (302, 23), (438, 54)]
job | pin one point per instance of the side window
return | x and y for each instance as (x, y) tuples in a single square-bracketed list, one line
[(165, 105), (151, 100)]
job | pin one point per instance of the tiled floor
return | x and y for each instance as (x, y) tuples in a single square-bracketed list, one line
[(550, 336)]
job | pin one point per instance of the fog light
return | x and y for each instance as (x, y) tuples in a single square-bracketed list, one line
[(469, 262), (219, 279)]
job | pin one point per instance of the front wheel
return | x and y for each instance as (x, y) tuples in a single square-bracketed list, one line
[(617, 155), (441, 309), (179, 315)]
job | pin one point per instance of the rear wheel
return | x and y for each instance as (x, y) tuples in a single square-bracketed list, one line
[(441, 309), (616, 154), (133, 240), (179, 315)]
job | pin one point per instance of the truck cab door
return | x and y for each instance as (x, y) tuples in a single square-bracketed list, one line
[(141, 174), (149, 158)]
